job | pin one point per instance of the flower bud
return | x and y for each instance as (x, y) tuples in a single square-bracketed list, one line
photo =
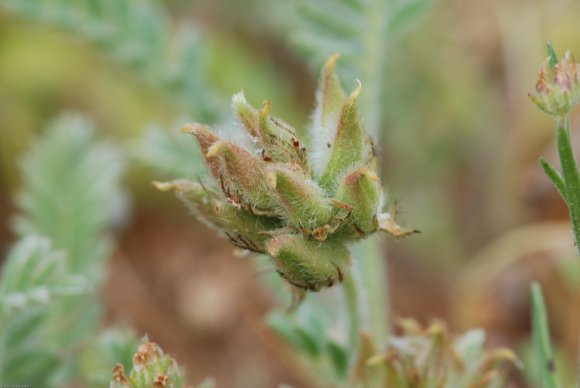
[(203, 134), (361, 189), (151, 368), (349, 142), (558, 84), (196, 197), (205, 138), (276, 140), (330, 97), (243, 228), (274, 201), (303, 202), (241, 176), (309, 264), (246, 115)]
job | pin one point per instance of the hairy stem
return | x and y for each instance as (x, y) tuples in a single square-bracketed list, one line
[(371, 265)]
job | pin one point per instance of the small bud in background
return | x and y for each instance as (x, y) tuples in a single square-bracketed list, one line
[(558, 84), (300, 203), (151, 368)]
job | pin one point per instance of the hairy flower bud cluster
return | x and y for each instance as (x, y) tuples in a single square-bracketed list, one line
[(558, 84), (151, 368), (299, 203)]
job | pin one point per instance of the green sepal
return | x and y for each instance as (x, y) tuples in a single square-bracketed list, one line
[(241, 176), (330, 98), (303, 202), (246, 115), (307, 263), (552, 56), (349, 142), (360, 188), (243, 228), (275, 139), (205, 138), (203, 134)]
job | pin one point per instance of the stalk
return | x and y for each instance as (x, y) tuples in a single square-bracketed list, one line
[(370, 264)]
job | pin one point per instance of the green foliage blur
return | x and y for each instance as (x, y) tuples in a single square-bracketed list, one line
[(459, 139)]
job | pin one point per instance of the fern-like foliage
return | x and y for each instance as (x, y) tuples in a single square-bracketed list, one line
[(357, 29), (137, 34), (33, 277), (70, 194), (35, 274)]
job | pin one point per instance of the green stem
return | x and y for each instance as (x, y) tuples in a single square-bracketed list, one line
[(372, 266), (367, 292), (372, 66), (541, 339), (353, 312), (375, 296), (570, 174)]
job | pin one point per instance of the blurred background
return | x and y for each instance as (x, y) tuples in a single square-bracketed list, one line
[(460, 147)]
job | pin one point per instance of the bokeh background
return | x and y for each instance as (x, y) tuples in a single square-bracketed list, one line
[(460, 150)]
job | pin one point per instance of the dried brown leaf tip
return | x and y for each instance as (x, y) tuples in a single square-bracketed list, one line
[(119, 376), (300, 202), (151, 368), (558, 84)]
